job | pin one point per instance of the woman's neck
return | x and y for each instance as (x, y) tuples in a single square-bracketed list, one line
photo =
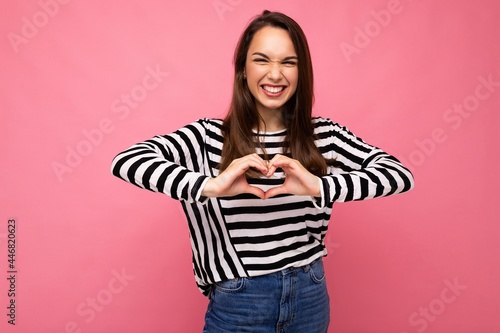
[(271, 121)]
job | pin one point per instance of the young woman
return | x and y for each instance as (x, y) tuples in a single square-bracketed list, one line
[(258, 187)]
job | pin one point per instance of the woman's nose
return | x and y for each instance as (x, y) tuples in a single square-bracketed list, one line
[(275, 71)]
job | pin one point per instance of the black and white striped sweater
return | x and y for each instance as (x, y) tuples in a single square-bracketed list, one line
[(244, 236)]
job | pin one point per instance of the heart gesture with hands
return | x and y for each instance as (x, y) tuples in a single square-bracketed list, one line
[(232, 181), (298, 180)]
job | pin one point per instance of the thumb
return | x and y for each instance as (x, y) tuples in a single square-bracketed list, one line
[(255, 191), (275, 191)]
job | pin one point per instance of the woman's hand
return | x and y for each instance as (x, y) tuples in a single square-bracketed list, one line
[(298, 180), (232, 181)]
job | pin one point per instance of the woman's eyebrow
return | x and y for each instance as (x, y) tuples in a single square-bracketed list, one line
[(266, 57)]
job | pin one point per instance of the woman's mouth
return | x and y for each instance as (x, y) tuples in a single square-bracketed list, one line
[(272, 91)]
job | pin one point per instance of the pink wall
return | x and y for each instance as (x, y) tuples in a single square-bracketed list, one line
[(82, 80)]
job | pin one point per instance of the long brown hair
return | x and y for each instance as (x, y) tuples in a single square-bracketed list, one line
[(239, 139)]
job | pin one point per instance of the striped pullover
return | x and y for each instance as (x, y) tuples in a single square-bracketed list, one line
[(244, 236)]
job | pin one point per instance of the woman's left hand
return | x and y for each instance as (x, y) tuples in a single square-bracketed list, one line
[(298, 180)]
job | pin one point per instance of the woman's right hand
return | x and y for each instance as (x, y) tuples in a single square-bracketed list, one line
[(232, 181)]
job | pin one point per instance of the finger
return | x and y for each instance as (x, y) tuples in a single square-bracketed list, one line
[(240, 166), (277, 157), (275, 163), (257, 162), (256, 191), (290, 165), (275, 191), (271, 169), (284, 164), (281, 160)]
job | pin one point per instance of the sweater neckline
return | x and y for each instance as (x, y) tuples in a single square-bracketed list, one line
[(281, 131)]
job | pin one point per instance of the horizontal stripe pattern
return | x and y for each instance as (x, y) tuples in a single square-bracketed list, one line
[(243, 235)]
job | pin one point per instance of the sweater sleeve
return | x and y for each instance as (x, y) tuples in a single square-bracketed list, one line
[(360, 171), (171, 164)]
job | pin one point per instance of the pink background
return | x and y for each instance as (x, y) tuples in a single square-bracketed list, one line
[(66, 68)]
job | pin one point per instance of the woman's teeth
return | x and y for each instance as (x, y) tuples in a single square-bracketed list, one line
[(273, 90)]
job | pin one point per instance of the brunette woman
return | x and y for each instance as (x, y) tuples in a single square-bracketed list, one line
[(258, 187)]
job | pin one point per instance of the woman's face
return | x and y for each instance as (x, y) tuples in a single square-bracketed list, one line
[(271, 69)]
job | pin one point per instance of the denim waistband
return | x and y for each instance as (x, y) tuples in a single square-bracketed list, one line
[(305, 268)]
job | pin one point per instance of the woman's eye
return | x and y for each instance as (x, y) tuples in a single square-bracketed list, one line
[(290, 63), (261, 61)]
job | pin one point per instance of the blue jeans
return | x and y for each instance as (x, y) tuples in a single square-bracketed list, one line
[(294, 300)]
